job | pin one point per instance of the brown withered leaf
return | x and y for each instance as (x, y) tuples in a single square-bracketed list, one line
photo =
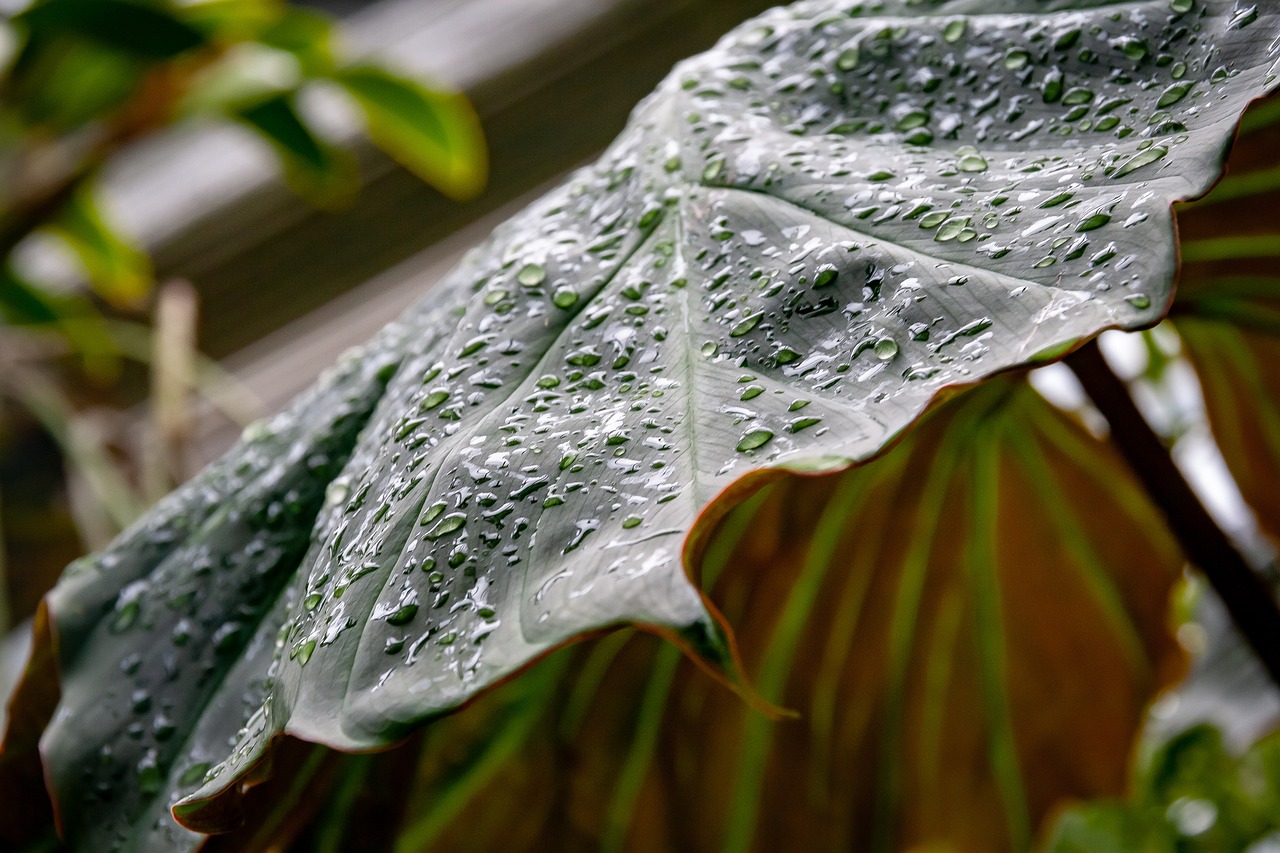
[(1228, 308)]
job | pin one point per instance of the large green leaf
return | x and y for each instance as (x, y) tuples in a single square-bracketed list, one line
[(433, 133), (316, 169), (965, 641), (165, 637), (119, 270), (145, 30), (800, 240)]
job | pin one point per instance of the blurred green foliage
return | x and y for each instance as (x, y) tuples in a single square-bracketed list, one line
[(1191, 795)]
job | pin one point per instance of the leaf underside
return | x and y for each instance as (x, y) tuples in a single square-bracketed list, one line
[(1228, 310), (801, 238)]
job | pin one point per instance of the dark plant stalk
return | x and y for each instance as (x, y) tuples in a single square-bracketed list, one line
[(1248, 598)]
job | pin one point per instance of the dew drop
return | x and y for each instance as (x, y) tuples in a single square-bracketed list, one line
[(531, 275), (1137, 161), (1173, 94), (450, 523), (305, 652), (431, 513), (745, 325), (435, 398), (950, 230), (1244, 17), (1016, 59), (848, 59), (125, 617), (912, 120), (565, 297), (404, 615), (1094, 222), (754, 439)]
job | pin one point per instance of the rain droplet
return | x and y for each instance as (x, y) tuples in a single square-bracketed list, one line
[(305, 651), (1135, 49), (433, 399), (886, 349), (125, 617), (912, 120), (1244, 17), (565, 297), (951, 229), (1016, 59), (531, 275), (431, 513), (450, 523), (754, 439)]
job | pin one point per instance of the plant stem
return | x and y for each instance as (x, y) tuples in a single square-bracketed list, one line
[(1248, 598)]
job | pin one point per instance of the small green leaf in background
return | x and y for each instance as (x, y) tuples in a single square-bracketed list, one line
[(1193, 795), (307, 35), (316, 169), (143, 30), (69, 315), (62, 83), (22, 304), (119, 271), (433, 134), (231, 21)]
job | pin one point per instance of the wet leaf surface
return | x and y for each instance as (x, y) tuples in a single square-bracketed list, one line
[(965, 638), (801, 238)]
